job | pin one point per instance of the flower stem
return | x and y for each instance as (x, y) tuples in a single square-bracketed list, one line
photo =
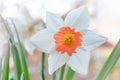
[(70, 74), (42, 66), (54, 76), (62, 71)]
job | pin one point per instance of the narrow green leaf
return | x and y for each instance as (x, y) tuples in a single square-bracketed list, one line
[(5, 74), (62, 71), (14, 50), (54, 75), (111, 61), (22, 76), (70, 74), (17, 64), (11, 38), (22, 56), (42, 74)]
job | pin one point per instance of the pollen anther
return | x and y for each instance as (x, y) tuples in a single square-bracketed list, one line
[(68, 39)]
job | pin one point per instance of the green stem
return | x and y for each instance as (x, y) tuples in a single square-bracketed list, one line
[(70, 74), (54, 75), (62, 71), (43, 66)]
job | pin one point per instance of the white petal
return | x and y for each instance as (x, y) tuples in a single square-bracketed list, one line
[(78, 18), (79, 61), (54, 21), (83, 31), (56, 60), (29, 47), (92, 40), (43, 41)]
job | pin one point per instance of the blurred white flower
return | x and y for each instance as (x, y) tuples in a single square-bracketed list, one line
[(24, 22), (107, 16), (38, 8), (27, 26), (68, 41)]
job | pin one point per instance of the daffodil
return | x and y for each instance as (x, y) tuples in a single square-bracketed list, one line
[(68, 41), (27, 26)]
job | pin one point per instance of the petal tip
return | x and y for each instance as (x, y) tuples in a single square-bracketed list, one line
[(50, 72), (48, 13)]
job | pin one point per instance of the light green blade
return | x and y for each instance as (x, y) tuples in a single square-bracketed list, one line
[(70, 74), (111, 61), (17, 64), (5, 73)]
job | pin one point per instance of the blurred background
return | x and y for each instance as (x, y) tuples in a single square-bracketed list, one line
[(29, 17)]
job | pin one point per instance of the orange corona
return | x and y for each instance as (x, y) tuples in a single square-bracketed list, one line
[(67, 40)]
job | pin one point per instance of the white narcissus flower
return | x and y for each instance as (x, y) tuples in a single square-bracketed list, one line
[(27, 26), (68, 41), (26, 33)]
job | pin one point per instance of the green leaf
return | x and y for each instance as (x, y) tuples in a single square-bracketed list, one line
[(111, 61), (42, 74), (11, 38), (22, 76), (54, 75), (17, 64), (70, 74), (62, 71), (5, 74), (22, 57)]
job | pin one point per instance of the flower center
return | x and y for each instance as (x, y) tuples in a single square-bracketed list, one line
[(67, 40), (29, 31)]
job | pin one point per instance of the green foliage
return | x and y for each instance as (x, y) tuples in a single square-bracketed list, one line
[(17, 64), (5, 73), (111, 61), (22, 76), (54, 75), (42, 74), (70, 74), (62, 71), (18, 56)]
